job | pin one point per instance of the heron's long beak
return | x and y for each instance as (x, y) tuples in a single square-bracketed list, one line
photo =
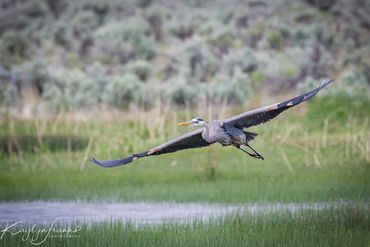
[(184, 123)]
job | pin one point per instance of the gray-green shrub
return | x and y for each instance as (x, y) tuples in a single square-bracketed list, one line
[(124, 90), (70, 89)]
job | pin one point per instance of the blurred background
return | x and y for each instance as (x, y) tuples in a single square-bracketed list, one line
[(68, 55), (109, 78)]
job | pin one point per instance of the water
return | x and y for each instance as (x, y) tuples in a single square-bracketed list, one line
[(45, 213)]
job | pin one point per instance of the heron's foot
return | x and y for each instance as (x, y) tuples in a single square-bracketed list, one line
[(257, 156), (255, 153)]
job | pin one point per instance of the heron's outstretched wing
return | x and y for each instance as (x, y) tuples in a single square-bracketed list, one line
[(266, 113), (190, 140)]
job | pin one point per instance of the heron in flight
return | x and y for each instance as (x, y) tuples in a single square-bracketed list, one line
[(227, 132)]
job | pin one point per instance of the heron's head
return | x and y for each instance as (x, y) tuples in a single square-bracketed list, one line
[(196, 122)]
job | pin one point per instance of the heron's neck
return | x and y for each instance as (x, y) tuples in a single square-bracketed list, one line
[(205, 130)]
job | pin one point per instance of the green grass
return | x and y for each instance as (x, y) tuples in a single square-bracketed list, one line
[(348, 226), (252, 184), (48, 159)]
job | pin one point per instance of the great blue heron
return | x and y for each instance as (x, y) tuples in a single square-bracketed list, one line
[(226, 132)]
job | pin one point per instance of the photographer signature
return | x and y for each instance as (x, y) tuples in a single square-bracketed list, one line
[(38, 235)]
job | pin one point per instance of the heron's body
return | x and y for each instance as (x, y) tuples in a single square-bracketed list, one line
[(227, 132), (214, 131)]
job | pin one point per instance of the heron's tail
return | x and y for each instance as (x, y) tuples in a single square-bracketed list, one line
[(249, 136)]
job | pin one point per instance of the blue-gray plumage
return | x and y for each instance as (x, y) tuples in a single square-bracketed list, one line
[(228, 132)]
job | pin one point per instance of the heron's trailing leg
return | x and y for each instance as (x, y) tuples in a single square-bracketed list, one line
[(252, 155), (255, 152)]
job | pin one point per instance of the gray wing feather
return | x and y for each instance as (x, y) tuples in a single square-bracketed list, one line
[(190, 140), (266, 113)]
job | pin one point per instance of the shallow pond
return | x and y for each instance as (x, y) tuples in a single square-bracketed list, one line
[(45, 213)]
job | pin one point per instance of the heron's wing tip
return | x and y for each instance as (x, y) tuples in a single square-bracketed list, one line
[(111, 163), (93, 160), (327, 82)]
